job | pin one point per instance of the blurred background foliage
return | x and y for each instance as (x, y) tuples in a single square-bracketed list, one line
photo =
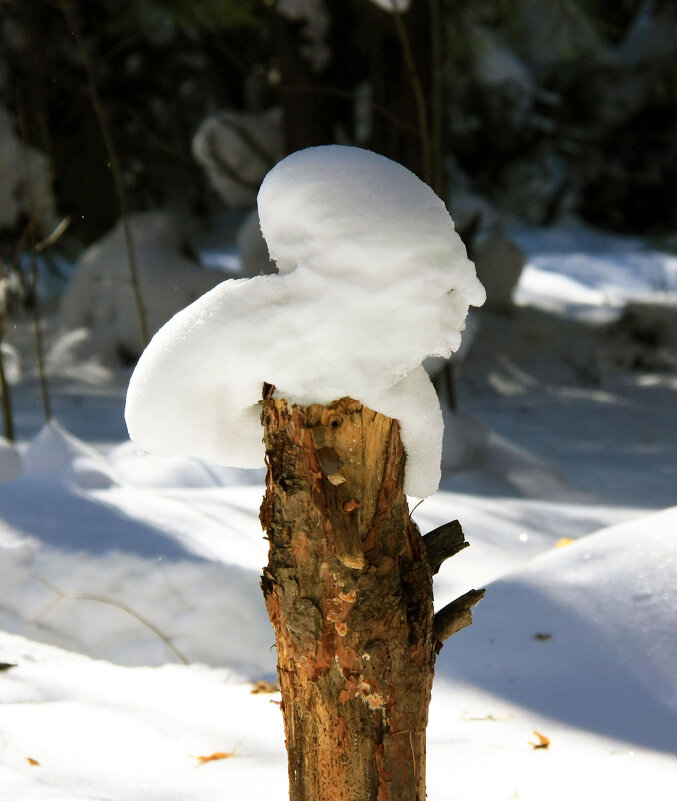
[(540, 108)]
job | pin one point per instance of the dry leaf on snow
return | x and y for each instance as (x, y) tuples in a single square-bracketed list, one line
[(215, 756), (543, 741)]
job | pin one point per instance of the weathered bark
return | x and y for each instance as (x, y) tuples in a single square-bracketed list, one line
[(443, 542), (349, 592)]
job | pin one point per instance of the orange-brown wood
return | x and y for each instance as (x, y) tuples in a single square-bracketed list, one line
[(349, 593)]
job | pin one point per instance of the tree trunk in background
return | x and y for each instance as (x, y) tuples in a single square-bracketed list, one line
[(393, 89), (349, 593), (308, 111)]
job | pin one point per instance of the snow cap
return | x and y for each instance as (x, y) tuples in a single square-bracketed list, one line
[(373, 279)]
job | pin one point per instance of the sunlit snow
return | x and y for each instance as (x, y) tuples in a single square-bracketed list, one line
[(373, 279), (557, 468)]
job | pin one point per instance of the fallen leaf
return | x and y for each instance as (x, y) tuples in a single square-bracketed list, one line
[(543, 741), (6, 666), (541, 636), (32, 761), (215, 756), (562, 542), (263, 687)]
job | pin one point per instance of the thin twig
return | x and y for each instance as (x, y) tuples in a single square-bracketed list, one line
[(437, 98), (347, 94), (30, 235), (114, 164), (85, 596), (416, 507), (54, 236), (156, 140), (419, 97), (7, 415), (39, 341)]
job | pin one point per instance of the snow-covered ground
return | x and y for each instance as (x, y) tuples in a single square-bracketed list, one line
[(118, 568), (584, 272)]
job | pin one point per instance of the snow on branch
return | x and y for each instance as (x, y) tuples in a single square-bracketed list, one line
[(372, 280), (393, 6)]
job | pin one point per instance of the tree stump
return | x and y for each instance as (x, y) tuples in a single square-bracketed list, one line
[(349, 593)]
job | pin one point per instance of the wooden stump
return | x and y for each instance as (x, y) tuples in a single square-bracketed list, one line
[(349, 592)]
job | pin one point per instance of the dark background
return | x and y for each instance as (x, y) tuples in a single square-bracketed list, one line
[(543, 108)]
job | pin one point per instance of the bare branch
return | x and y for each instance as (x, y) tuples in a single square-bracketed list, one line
[(54, 236), (114, 164), (443, 543), (85, 596), (455, 616), (349, 95)]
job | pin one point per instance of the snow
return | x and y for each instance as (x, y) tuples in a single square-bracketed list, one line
[(575, 270), (611, 610), (393, 5), (567, 496), (236, 149), (597, 681), (372, 280), (98, 310), (25, 188)]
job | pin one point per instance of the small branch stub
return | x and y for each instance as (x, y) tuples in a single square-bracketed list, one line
[(456, 615), (443, 543)]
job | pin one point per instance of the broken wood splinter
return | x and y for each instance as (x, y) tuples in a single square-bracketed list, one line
[(442, 543), (455, 616)]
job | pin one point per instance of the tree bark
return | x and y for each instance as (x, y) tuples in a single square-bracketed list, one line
[(349, 592)]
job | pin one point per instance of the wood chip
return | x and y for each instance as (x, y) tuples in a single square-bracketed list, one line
[(215, 756), (543, 741)]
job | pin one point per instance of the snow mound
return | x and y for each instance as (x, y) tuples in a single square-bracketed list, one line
[(90, 563), (61, 456), (585, 633), (144, 747), (145, 470), (372, 280), (100, 297)]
